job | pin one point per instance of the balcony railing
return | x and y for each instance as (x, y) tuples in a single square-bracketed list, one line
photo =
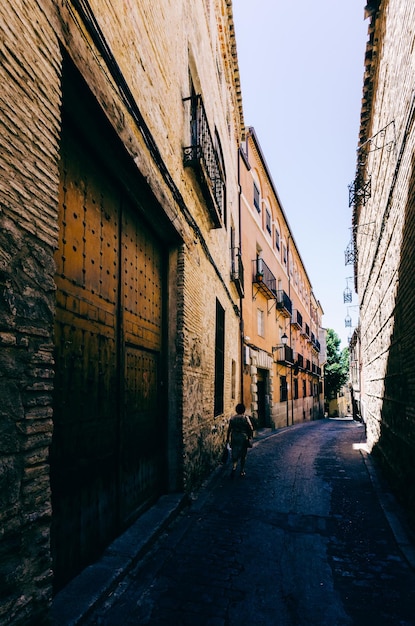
[(284, 304), (284, 354), (237, 271), (263, 278), (266, 283), (315, 344), (202, 156), (297, 319), (300, 360)]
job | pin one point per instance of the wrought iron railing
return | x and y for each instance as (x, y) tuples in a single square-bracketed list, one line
[(284, 303), (284, 354), (203, 157), (297, 319), (237, 270), (263, 278)]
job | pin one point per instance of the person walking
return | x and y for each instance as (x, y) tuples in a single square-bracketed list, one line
[(239, 435)]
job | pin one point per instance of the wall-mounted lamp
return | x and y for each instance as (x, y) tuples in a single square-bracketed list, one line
[(284, 340)]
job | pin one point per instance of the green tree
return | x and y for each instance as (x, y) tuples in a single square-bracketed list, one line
[(336, 370)]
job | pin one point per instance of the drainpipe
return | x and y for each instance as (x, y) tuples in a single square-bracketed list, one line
[(241, 321), (290, 333)]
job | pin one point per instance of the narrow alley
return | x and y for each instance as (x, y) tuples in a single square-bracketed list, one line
[(301, 540)]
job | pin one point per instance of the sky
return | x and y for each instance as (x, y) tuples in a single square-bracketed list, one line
[(301, 67)]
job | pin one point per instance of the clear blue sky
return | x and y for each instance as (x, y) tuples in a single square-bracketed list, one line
[(301, 65)]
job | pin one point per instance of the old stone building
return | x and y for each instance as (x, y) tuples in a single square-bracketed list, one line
[(282, 319), (382, 196), (119, 310)]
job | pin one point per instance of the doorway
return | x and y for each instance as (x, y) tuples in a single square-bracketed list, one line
[(108, 458), (263, 416)]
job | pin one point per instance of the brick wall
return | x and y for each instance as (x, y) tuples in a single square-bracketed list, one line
[(164, 45), (384, 239)]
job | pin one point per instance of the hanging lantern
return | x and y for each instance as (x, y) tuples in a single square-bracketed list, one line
[(347, 295)]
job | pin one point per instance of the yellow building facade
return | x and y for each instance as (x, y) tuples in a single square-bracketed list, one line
[(282, 334)]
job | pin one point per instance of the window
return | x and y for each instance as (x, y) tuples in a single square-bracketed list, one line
[(257, 198), (277, 238), (260, 320), (295, 388), (283, 389), (304, 388), (268, 221), (284, 254), (219, 359)]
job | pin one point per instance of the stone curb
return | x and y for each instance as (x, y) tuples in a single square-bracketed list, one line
[(73, 604), (392, 511)]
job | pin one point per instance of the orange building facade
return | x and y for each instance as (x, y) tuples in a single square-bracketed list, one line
[(282, 369)]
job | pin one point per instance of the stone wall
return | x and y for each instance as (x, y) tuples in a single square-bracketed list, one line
[(26, 365), (29, 114)]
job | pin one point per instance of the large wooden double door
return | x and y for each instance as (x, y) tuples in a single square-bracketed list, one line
[(108, 451)]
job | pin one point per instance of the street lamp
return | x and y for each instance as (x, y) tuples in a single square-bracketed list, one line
[(281, 349), (284, 340)]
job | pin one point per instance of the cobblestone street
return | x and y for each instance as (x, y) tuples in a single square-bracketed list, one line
[(301, 540)]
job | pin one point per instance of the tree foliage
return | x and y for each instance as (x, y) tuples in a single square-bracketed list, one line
[(336, 370)]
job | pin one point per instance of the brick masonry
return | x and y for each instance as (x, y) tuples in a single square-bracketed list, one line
[(384, 243), (164, 45)]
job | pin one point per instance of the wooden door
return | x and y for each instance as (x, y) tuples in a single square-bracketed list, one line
[(107, 453)]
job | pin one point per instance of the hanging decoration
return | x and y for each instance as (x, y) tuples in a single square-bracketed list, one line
[(347, 295)]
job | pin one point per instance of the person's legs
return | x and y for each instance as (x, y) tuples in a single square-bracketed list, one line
[(234, 464), (243, 459), (236, 452)]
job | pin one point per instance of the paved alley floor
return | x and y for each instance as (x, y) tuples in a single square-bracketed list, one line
[(302, 540)]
